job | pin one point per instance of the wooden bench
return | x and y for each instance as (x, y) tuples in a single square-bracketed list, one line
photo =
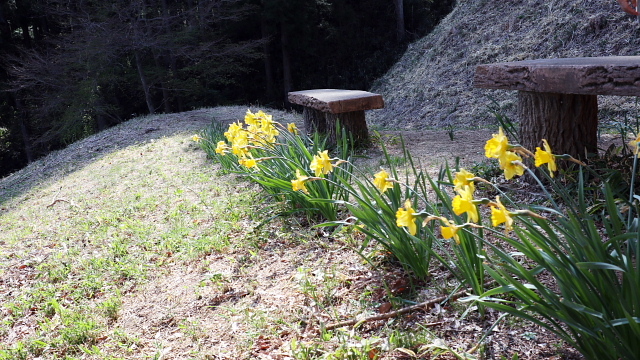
[(557, 98), (323, 107)]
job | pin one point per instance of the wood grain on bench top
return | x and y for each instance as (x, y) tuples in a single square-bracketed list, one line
[(337, 101), (610, 75)]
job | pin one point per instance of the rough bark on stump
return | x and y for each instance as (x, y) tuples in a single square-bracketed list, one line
[(314, 121), (353, 122), (568, 122)]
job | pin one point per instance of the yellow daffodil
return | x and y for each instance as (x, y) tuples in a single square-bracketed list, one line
[(267, 125), (250, 118), (634, 144), (293, 129), (464, 178), (321, 163), (546, 157), (405, 217), (269, 134), (500, 214), (450, 230), (240, 143), (298, 182), (264, 117), (359, 227), (234, 130), (247, 162), (259, 138), (196, 138), (463, 203), (510, 168), (222, 148), (239, 150), (381, 182), (497, 145)]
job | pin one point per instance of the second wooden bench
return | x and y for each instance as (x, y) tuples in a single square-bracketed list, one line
[(324, 107)]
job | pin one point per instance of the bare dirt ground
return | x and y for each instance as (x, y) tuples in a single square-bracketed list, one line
[(250, 303)]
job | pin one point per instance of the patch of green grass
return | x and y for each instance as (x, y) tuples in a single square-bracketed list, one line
[(486, 169), (393, 160), (120, 221)]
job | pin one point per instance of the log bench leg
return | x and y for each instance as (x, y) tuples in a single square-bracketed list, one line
[(569, 122), (325, 123)]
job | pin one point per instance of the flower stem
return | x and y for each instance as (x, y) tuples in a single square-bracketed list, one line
[(631, 188), (555, 205)]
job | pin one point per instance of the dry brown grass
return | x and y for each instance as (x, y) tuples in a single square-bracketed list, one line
[(432, 84)]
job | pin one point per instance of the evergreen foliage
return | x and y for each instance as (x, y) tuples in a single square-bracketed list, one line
[(76, 67)]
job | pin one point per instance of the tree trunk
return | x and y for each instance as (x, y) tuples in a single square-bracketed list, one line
[(314, 121), (166, 99), (190, 15), (102, 123), (353, 123), (399, 5), (164, 59), (568, 122), (26, 37), (26, 139), (5, 29), (268, 62), (286, 62), (161, 63), (145, 86)]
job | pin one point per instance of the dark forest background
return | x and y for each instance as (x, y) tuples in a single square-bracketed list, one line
[(70, 68)]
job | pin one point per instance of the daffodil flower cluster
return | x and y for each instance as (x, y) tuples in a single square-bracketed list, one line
[(298, 183), (321, 164), (293, 129), (449, 230), (260, 131), (498, 148), (463, 202), (510, 159)]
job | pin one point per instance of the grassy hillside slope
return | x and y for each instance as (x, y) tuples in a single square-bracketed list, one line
[(84, 228), (432, 85)]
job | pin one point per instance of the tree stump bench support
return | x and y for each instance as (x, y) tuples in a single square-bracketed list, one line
[(324, 107), (557, 98)]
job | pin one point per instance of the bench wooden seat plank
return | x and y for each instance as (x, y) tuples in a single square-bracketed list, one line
[(324, 107), (337, 101), (557, 98), (613, 75)]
